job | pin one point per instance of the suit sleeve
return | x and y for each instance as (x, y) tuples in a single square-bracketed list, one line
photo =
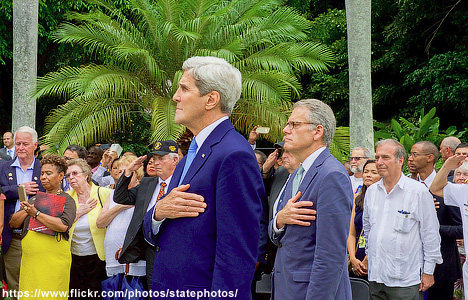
[(122, 194), (333, 204), (239, 190)]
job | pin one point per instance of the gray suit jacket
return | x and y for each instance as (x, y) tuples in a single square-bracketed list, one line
[(4, 155), (311, 262)]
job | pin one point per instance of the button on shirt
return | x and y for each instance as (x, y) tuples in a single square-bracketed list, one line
[(22, 176), (402, 233)]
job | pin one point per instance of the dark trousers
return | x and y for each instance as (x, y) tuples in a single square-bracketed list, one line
[(379, 291), (86, 273), (441, 291), (149, 256)]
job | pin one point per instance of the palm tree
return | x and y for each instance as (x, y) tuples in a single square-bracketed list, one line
[(141, 45)]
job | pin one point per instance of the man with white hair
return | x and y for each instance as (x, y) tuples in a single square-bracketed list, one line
[(358, 158), (400, 228), (206, 229), (25, 169)]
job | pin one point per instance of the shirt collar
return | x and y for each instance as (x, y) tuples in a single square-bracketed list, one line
[(400, 184), (167, 181), (17, 164), (205, 132), (309, 161), (429, 179)]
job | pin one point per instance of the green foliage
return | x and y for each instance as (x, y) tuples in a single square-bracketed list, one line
[(443, 83), (139, 47), (407, 132)]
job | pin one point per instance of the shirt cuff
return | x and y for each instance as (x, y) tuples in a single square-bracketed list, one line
[(155, 225), (275, 229), (429, 268)]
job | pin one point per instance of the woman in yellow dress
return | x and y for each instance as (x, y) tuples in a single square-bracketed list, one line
[(46, 259)]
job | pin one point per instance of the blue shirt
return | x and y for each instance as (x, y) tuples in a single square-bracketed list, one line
[(22, 176)]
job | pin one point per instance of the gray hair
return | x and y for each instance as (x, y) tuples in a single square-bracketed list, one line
[(216, 74), (399, 149), (27, 129), (320, 114), (172, 155), (451, 142), (430, 148), (83, 165), (366, 152)]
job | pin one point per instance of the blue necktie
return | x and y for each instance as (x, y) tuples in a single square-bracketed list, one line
[(190, 156), (9, 153)]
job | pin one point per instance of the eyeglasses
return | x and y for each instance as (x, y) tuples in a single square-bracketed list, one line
[(356, 158), (74, 174), (293, 125), (415, 154)]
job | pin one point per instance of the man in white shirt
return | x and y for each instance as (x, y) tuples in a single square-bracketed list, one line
[(401, 230), (454, 194), (358, 158), (421, 161)]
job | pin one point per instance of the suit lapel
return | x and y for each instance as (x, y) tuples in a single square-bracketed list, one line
[(149, 192), (205, 151), (11, 175), (310, 175)]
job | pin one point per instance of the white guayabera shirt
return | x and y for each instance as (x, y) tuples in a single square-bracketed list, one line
[(402, 233)]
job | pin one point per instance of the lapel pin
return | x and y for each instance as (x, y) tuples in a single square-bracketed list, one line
[(11, 178), (35, 178), (10, 174), (203, 155)]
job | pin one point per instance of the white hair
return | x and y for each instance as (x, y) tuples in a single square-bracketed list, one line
[(27, 129), (216, 74)]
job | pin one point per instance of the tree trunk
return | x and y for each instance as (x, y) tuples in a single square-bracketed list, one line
[(25, 22), (358, 16)]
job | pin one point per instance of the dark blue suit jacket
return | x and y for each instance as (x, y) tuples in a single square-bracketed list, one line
[(218, 249), (10, 189), (311, 262)]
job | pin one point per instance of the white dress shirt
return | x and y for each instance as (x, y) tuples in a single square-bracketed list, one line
[(200, 139), (156, 191), (401, 230), (428, 181)]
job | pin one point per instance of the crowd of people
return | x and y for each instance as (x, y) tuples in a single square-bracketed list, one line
[(216, 216)]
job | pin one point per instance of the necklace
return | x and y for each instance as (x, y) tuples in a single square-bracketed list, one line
[(58, 192)]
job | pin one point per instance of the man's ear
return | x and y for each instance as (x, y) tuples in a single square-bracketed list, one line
[(318, 133), (213, 100)]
